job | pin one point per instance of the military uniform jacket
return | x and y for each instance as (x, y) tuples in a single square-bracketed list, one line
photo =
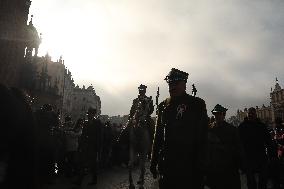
[(147, 101), (225, 152), (180, 140)]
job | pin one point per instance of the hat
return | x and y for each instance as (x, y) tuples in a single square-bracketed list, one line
[(219, 108), (92, 110), (176, 75), (142, 87)]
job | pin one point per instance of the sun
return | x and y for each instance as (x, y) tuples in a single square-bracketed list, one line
[(83, 40)]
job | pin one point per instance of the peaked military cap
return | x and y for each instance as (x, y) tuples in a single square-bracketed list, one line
[(176, 75), (219, 108), (142, 87)]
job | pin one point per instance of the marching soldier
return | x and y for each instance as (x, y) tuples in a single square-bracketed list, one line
[(225, 153), (180, 136)]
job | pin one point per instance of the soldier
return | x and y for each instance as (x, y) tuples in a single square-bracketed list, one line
[(139, 132), (258, 149), (225, 154), (89, 146), (142, 98), (180, 140)]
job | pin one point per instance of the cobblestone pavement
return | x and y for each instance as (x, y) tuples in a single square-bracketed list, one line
[(114, 178)]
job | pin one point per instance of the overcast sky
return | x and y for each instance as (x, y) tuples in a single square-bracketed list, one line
[(232, 50)]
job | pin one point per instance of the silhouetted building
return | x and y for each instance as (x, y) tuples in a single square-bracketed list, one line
[(83, 98), (53, 84), (268, 113), (119, 120), (277, 102), (15, 37)]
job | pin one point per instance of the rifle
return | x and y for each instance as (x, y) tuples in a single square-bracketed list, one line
[(157, 100)]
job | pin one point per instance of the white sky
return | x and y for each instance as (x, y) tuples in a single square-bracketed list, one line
[(232, 49)]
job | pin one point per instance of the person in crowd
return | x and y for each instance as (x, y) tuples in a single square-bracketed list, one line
[(179, 147), (258, 148), (89, 146), (225, 153), (107, 145), (72, 135), (47, 123), (275, 167)]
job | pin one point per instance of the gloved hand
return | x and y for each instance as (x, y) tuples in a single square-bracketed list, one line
[(154, 171)]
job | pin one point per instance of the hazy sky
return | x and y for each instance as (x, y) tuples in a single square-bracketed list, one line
[(232, 50)]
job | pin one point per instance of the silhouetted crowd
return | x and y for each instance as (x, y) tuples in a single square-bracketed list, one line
[(189, 149), (38, 146)]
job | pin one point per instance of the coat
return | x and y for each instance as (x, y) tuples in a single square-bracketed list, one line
[(180, 140)]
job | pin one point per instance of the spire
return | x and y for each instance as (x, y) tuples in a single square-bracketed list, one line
[(61, 60), (31, 21), (40, 37), (277, 86)]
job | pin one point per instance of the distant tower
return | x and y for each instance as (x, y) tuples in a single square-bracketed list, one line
[(277, 101), (33, 40)]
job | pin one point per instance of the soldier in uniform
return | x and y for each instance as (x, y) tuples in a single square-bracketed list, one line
[(225, 153), (89, 145), (179, 146), (142, 98), (140, 132)]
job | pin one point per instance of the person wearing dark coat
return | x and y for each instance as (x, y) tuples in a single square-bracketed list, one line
[(47, 121), (89, 145), (258, 149), (225, 153), (180, 139)]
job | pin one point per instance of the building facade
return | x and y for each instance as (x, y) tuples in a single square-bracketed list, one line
[(49, 83), (277, 102), (82, 99), (268, 114), (15, 37), (46, 81)]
